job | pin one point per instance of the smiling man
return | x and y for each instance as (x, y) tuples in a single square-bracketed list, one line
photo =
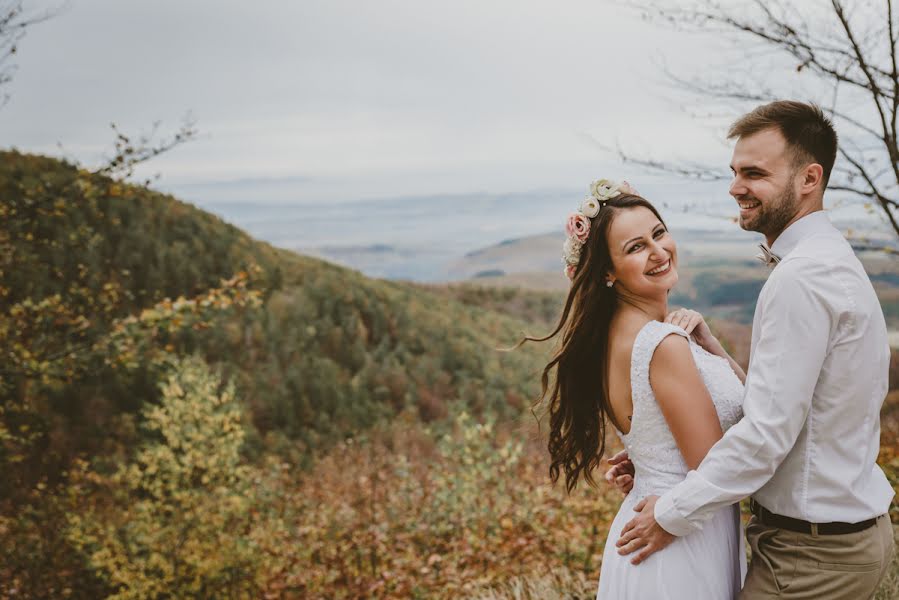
[(805, 449)]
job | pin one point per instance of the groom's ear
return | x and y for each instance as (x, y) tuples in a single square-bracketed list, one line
[(813, 178)]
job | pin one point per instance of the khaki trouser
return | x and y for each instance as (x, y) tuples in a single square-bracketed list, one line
[(802, 566)]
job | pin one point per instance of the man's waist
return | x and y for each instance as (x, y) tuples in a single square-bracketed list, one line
[(767, 517), (849, 497)]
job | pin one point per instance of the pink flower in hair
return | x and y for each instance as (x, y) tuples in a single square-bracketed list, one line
[(570, 270), (627, 188), (578, 227)]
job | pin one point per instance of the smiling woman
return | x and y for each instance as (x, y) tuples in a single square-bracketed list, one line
[(578, 403), (624, 359)]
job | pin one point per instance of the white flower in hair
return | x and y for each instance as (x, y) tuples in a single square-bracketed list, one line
[(579, 223), (572, 246), (603, 189), (572, 251), (571, 259), (590, 207)]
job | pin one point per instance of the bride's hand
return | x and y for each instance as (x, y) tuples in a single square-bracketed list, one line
[(694, 324), (621, 474)]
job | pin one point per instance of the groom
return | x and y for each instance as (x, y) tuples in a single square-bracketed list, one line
[(806, 447)]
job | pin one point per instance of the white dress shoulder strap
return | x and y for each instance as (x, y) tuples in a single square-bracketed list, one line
[(645, 346)]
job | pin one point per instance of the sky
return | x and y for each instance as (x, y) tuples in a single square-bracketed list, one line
[(311, 101), (318, 100)]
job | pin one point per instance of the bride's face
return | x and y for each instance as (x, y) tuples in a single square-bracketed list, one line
[(644, 255)]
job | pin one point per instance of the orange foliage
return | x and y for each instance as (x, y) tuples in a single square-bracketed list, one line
[(405, 516), (410, 513)]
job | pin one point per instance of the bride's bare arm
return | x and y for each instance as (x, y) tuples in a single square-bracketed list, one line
[(684, 400)]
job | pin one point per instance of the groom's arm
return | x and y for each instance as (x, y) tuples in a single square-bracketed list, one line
[(794, 331)]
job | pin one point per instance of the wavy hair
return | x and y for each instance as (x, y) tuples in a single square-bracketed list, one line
[(578, 403)]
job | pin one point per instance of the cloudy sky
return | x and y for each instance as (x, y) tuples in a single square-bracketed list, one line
[(316, 100)]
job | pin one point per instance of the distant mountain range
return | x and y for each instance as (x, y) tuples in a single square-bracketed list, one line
[(719, 273), (439, 237)]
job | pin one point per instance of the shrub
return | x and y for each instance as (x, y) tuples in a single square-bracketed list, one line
[(174, 520)]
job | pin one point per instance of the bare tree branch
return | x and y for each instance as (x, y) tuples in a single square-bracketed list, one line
[(13, 24), (131, 153), (861, 192), (686, 170), (721, 90), (836, 51), (876, 92), (885, 202), (853, 121), (776, 32), (895, 73)]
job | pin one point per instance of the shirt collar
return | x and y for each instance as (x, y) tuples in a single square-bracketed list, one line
[(810, 224)]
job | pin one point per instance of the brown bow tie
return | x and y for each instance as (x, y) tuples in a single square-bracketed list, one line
[(769, 258)]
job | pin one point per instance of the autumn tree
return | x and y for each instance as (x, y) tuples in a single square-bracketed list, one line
[(175, 519)]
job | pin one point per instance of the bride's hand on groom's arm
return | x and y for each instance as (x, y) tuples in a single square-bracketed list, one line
[(643, 533), (621, 474)]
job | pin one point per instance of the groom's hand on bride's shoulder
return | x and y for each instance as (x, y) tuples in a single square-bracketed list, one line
[(621, 474), (643, 533)]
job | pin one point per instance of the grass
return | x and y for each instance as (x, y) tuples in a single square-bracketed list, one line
[(560, 583)]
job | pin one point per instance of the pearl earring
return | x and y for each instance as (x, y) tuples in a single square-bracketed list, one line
[(610, 283)]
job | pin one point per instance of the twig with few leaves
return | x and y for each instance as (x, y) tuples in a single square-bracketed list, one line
[(130, 152), (13, 24)]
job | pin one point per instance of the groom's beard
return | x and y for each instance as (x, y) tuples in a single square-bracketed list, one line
[(772, 218)]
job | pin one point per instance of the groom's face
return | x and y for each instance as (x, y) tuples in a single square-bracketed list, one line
[(763, 184)]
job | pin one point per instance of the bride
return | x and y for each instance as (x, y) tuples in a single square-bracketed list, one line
[(660, 379)]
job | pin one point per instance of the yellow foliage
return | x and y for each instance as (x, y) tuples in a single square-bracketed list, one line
[(174, 521)]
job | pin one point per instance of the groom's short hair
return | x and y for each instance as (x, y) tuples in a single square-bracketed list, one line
[(809, 133)]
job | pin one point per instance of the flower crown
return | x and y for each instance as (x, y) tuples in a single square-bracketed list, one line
[(578, 225)]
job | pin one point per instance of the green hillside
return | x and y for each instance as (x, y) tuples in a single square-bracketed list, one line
[(329, 353), (107, 288)]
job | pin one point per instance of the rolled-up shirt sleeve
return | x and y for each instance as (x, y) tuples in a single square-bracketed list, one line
[(791, 344)]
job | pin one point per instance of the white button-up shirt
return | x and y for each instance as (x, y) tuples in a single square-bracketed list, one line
[(818, 368)]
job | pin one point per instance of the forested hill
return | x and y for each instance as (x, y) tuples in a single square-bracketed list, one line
[(67, 227), (327, 353), (130, 468)]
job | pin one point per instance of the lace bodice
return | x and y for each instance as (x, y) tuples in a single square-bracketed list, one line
[(650, 445)]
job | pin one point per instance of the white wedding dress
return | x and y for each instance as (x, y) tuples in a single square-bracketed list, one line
[(709, 564)]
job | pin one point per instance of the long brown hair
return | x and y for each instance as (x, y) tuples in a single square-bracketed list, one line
[(579, 405)]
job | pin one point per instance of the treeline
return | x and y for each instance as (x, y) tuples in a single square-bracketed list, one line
[(328, 352), (106, 288)]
